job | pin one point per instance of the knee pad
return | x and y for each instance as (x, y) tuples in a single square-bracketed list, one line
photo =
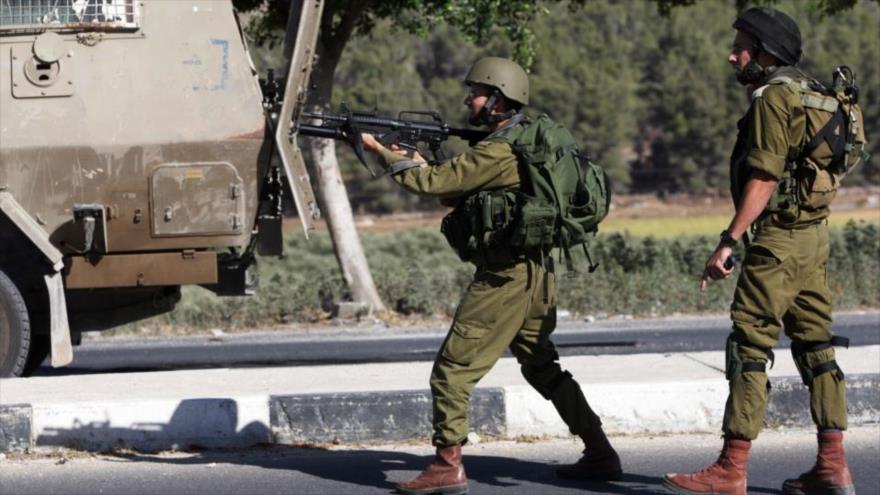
[(545, 378), (802, 351), (733, 363)]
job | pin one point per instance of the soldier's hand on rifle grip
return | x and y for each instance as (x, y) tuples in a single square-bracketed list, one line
[(412, 153), (404, 149), (370, 142)]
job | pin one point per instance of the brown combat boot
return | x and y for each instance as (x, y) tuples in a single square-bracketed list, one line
[(830, 475), (599, 462), (726, 477), (444, 475)]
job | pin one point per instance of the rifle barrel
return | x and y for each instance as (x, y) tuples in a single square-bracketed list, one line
[(369, 122), (321, 132)]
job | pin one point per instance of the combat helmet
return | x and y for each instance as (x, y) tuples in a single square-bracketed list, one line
[(776, 32), (505, 75)]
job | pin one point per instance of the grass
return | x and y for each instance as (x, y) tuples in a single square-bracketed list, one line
[(696, 224)]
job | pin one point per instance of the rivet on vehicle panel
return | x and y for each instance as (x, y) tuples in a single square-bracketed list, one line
[(43, 93), (70, 82)]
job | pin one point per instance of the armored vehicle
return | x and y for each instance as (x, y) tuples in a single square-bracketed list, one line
[(136, 155)]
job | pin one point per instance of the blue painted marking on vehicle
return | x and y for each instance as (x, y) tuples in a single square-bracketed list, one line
[(220, 85), (224, 65)]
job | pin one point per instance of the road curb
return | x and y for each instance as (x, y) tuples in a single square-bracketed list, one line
[(16, 428), (225, 422), (374, 416), (789, 403), (683, 407)]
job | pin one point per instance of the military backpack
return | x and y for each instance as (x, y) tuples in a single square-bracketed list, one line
[(562, 198), (833, 143)]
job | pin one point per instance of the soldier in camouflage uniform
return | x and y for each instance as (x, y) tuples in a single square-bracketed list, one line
[(511, 302), (783, 280)]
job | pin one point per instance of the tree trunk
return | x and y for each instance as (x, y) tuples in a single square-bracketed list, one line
[(332, 194)]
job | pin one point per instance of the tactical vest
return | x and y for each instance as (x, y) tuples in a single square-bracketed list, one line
[(833, 144), (561, 199)]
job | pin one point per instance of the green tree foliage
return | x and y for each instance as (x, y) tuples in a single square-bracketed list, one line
[(651, 97), (583, 77)]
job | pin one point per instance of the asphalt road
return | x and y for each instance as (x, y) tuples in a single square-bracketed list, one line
[(503, 467), (385, 345)]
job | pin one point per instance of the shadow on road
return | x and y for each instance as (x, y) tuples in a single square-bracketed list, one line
[(377, 469), (210, 422)]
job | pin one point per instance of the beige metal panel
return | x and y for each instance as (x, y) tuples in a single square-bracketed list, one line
[(302, 56), (184, 76), (196, 199), (142, 270), (33, 78), (53, 186), (180, 89)]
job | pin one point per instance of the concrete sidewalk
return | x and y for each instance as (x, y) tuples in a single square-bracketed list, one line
[(634, 394)]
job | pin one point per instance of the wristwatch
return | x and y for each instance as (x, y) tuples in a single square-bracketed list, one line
[(727, 239)]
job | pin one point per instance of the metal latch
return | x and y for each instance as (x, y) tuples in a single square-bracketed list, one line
[(94, 225)]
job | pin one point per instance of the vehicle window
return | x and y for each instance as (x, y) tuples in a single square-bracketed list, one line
[(67, 15)]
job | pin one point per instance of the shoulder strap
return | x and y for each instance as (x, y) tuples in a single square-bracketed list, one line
[(778, 80), (511, 131), (530, 134), (814, 99)]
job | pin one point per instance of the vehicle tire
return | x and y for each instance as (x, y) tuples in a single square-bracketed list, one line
[(15, 329)]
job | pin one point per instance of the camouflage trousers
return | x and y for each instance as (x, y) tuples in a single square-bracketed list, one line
[(784, 283), (508, 306)]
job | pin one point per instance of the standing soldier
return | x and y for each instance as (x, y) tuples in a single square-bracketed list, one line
[(511, 301), (783, 279)]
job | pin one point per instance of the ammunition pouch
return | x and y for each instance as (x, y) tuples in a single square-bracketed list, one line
[(478, 229), (735, 366), (785, 199), (535, 225), (801, 350), (816, 187)]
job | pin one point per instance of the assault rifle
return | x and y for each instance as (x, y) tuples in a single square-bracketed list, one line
[(427, 128)]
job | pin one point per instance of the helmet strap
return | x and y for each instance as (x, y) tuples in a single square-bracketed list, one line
[(485, 115)]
